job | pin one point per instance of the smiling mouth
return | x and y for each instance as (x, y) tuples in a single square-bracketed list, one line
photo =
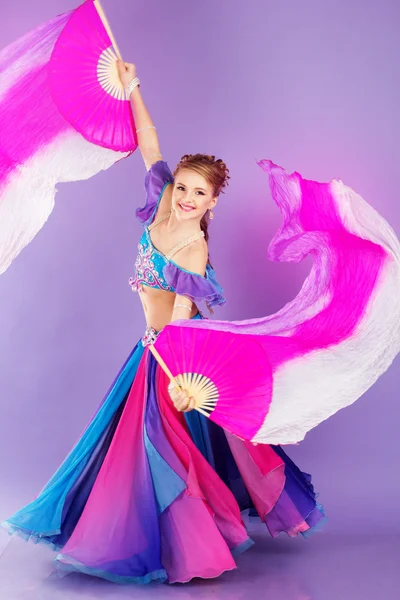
[(185, 208)]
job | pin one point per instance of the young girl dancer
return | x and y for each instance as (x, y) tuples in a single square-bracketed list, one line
[(152, 490)]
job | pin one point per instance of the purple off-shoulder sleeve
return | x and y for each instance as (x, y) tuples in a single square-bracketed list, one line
[(194, 286), (158, 176)]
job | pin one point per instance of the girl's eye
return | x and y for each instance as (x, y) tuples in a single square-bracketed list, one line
[(179, 187)]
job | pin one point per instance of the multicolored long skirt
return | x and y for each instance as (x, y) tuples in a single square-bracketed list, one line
[(152, 494)]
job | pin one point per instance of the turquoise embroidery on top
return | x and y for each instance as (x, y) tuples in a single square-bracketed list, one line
[(149, 266)]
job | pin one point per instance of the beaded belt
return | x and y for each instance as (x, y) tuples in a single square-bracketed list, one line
[(150, 336)]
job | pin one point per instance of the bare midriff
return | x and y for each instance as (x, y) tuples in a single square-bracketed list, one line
[(158, 305)]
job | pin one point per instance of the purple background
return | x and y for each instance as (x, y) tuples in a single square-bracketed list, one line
[(313, 85)]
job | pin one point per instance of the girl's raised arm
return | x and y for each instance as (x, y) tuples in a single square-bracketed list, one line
[(147, 136)]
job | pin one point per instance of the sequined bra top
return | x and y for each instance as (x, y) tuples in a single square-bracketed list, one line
[(158, 270)]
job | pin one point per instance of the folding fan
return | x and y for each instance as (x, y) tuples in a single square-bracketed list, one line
[(63, 117), (228, 375), (84, 80)]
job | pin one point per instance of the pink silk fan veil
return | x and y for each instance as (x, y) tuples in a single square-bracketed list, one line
[(63, 117), (326, 347)]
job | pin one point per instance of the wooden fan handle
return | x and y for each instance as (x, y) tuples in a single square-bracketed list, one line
[(162, 364), (107, 27)]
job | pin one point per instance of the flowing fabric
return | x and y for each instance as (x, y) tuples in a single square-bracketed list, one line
[(39, 145), (151, 494), (342, 331)]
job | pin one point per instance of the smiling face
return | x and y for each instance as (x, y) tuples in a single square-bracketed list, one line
[(192, 195)]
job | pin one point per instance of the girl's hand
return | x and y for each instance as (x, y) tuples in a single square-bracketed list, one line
[(126, 71), (182, 401)]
